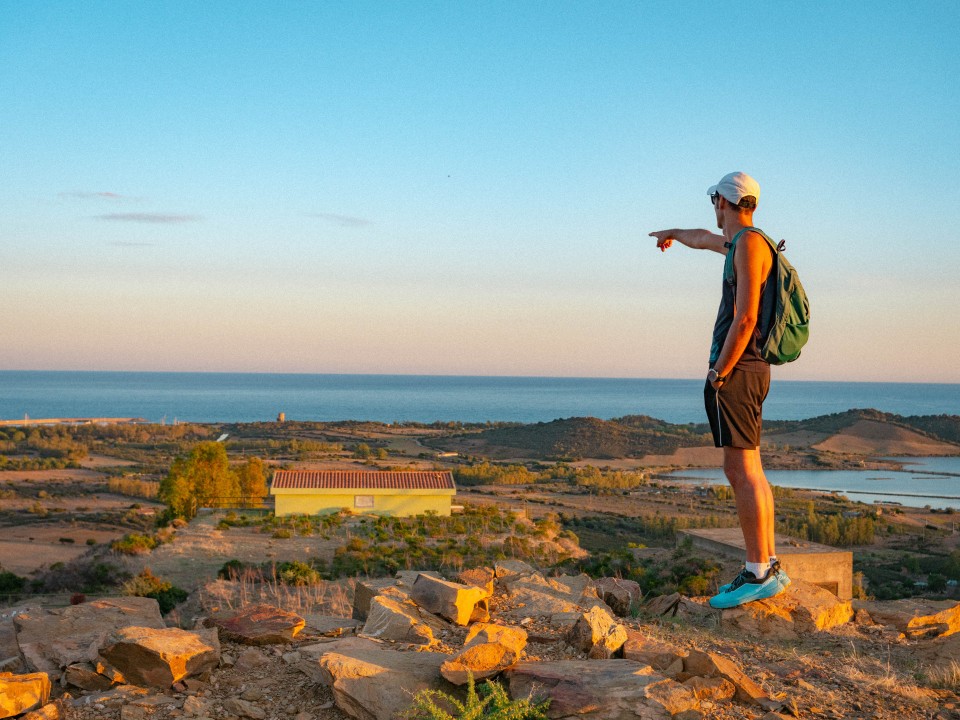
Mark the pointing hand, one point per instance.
(664, 239)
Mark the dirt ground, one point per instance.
(199, 550)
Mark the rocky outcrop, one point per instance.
(477, 577)
(804, 608)
(663, 657)
(369, 680)
(915, 617)
(392, 617)
(534, 595)
(676, 605)
(620, 595)
(258, 625)
(20, 693)
(597, 634)
(52, 639)
(481, 661)
(158, 658)
(711, 665)
(457, 603)
(610, 690)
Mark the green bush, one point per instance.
(134, 544)
(146, 584)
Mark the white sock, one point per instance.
(759, 570)
(773, 560)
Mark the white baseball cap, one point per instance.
(735, 186)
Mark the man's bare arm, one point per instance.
(696, 239)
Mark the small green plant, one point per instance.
(491, 703)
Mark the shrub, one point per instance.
(146, 584)
(134, 544)
(492, 703)
(78, 599)
(232, 569)
(297, 573)
(282, 534)
(10, 584)
(91, 541)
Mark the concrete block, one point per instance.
(820, 565)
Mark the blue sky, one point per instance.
(467, 188)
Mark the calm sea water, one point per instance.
(236, 397)
(918, 485)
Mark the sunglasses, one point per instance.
(714, 198)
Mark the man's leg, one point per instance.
(754, 500)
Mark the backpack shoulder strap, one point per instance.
(729, 272)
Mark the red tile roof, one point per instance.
(362, 480)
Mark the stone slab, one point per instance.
(817, 564)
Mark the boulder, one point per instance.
(711, 688)
(611, 690)
(86, 677)
(50, 711)
(391, 618)
(20, 693)
(330, 625)
(258, 625)
(478, 577)
(481, 660)
(52, 639)
(536, 596)
(803, 609)
(159, 658)
(514, 639)
(663, 657)
(712, 665)
(449, 600)
(620, 595)
(510, 568)
(365, 591)
(370, 681)
(915, 617)
(597, 634)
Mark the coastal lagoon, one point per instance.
(931, 481)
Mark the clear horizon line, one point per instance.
(453, 375)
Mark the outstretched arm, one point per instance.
(696, 239)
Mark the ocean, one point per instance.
(251, 397)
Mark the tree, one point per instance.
(203, 479)
(252, 482)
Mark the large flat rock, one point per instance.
(803, 609)
(369, 680)
(52, 639)
(152, 657)
(915, 617)
(605, 690)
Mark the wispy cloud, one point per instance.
(128, 244)
(155, 218)
(109, 196)
(341, 220)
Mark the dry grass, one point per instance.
(878, 673)
(946, 678)
(254, 587)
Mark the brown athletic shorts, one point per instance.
(735, 411)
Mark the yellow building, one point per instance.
(400, 493)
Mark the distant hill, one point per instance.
(944, 428)
(857, 432)
(571, 438)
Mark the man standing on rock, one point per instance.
(739, 378)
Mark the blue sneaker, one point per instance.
(741, 578)
(737, 581)
(747, 588)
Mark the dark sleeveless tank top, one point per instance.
(750, 360)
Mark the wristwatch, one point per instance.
(714, 376)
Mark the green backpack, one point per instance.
(790, 328)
